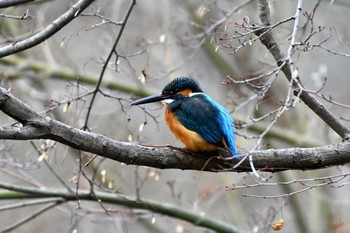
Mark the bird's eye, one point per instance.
(170, 92)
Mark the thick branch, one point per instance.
(267, 39)
(36, 126)
(48, 31)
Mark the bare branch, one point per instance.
(171, 210)
(20, 66)
(271, 44)
(36, 126)
(306, 184)
(31, 216)
(24, 16)
(48, 31)
(111, 52)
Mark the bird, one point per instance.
(199, 122)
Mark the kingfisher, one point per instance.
(194, 117)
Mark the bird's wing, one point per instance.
(210, 120)
(229, 130)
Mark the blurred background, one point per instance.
(163, 40)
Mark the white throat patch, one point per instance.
(195, 93)
(167, 101)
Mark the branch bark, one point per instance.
(36, 126)
(48, 31)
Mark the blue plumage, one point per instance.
(194, 117)
(180, 84)
(200, 113)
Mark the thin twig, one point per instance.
(30, 217)
(106, 62)
(304, 182)
(271, 44)
(51, 168)
(30, 203)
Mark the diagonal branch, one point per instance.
(268, 40)
(36, 126)
(109, 57)
(30, 217)
(9, 3)
(48, 31)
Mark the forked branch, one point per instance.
(268, 40)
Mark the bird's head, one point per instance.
(176, 89)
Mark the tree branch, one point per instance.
(268, 40)
(8, 3)
(21, 192)
(109, 57)
(36, 126)
(30, 217)
(48, 31)
(22, 66)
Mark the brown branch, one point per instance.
(48, 31)
(36, 126)
(268, 40)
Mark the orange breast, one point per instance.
(192, 140)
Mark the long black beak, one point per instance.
(151, 99)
